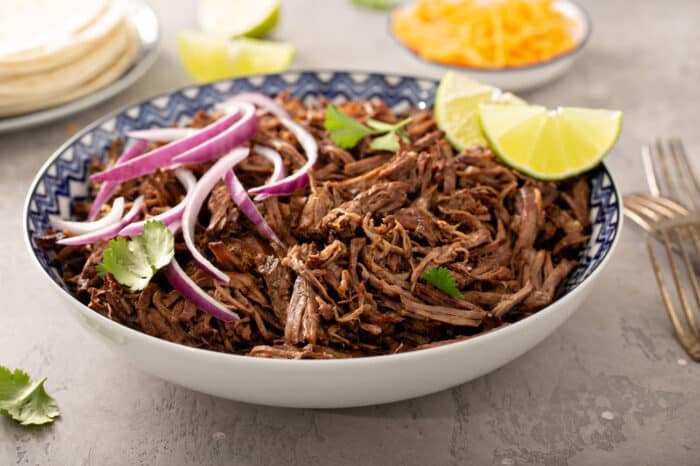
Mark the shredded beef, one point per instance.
(347, 282)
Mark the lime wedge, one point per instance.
(208, 58)
(457, 105)
(550, 145)
(236, 18)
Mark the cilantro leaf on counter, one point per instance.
(442, 279)
(134, 262)
(25, 401)
(346, 132)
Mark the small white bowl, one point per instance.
(531, 76)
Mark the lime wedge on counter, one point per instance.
(237, 18)
(457, 105)
(208, 58)
(550, 144)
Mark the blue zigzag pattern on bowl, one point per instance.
(63, 180)
(605, 217)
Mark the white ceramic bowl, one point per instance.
(329, 383)
(532, 76)
(300, 383)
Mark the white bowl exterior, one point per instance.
(522, 80)
(330, 383)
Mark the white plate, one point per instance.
(145, 21)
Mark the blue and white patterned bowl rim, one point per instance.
(62, 180)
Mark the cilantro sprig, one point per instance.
(346, 132)
(134, 262)
(375, 4)
(25, 401)
(442, 279)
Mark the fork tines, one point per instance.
(679, 235)
(667, 161)
(671, 214)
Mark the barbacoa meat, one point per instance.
(348, 281)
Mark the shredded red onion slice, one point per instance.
(298, 180)
(162, 156)
(235, 135)
(175, 227)
(162, 134)
(279, 171)
(107, 232)
(171, 215)
(258, 99)
(108, 187)
(199, 194)
(80, 228)
(240, 197)
(189, 290)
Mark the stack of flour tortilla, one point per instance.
(52, 51)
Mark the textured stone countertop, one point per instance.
(611, 386)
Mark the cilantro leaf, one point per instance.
(127, 262)
(442, 279)
(159, 243)
(133, 263)
(25, 401)
(380, 125)
(375, 4)
(345, 131)
(383, 126)
(388, 142)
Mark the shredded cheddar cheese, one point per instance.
(484, 34)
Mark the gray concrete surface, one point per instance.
(610, 387)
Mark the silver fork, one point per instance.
(674, 225)
(677, 230)
(686, 191)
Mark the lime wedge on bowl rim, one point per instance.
(457, 106)
(238, 18)
(208, 58)
(550, 144)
